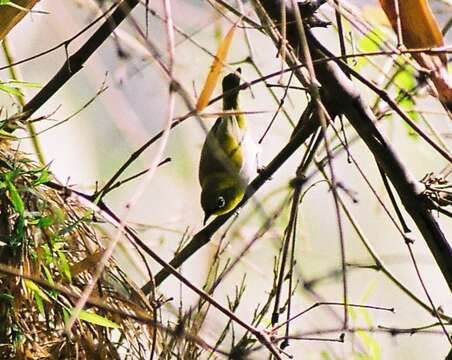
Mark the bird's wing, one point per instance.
(221, 151)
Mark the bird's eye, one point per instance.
(221, 202)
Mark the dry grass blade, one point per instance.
(215, 70)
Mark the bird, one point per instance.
(228, 156)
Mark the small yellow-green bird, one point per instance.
(228, 156)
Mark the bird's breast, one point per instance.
(250, 151)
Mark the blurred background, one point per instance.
(86, 150)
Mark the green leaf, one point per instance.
(17, 335)
(325, 355)
(39, 303)
(6, 135)
(63, 266)
(36, 289)
(15, 198)
(58, 245)
(52, 293)
(405, 78)
(46, 254)
(45, 221)
(96, 319)
(6, 297)
(24, 84)
(19, 232)
(372, 347)
(406, 82)
(10, 90)
(43, 178)
(48, 275)
(66, 315)
(11, 4)
(39, 295)
(370, 42)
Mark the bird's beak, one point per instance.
(206, 217)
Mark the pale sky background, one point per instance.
(92, 145)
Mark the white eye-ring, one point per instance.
(221, 202)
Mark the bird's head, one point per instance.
(220, 194)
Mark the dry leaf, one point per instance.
(10, 16)
(419, 30)
(90, 262)
(215, 70)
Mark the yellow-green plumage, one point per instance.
(228, 157)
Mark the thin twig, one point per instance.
(21, 99)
